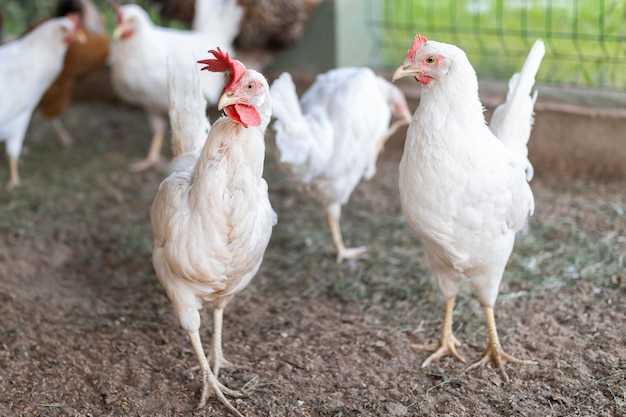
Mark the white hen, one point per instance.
(211, 217)
(331, 139)
(28, 66)
(463, 190)
(139, 55)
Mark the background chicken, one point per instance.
(463, 190)
(27, 67)
(265, 28)
(81, 59)
(139, 54)
(211, 217)
(330, 140)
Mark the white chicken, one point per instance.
(464, 190)
(139, 54)
(331, 139)
(28, 65)
(211, 217)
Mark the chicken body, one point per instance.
(462, 189)
(27, 67)
(139, 56)
(331, 139)
(211, 217)
(81, 59)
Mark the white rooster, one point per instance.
(331, 139)
(464, 190)
(211, 217)
(139, 55)
(28, 65)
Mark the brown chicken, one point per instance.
(82, 58)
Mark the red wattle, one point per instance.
(242, 114)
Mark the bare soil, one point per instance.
(86, 329)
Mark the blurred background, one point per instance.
(582, 74)
(585, 39)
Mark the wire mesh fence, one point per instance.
(585, 40)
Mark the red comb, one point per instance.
(223, 63)
(417, 43)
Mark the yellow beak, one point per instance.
(227, 99)
(401, 72)
(118, 31)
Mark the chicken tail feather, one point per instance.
(285, 103)
(512, 121)
(187, 110)
(291, 126)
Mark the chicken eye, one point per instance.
(431, 59)
(250, 86)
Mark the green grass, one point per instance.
(584, 39)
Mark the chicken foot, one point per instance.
(158, 125)
(494, 352)
(333, 216)
(447, 344)
(210, 384)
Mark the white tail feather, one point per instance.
(304, 150)
(290, 124)
(187, 112)
(512, 121)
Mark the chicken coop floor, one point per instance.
(86, 329)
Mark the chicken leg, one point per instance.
(15, 175)
(63, 136)
(333, 216)
(494, 352)
(158, 125)
(210, 384)
(217, 356)
(446, 346)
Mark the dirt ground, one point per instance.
(86, 329)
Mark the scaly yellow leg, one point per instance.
(447, 344)
(494, 352)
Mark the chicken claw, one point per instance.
(494, 352)
(447, 344)
(350, 253)
(445, 347)
(210, 384)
